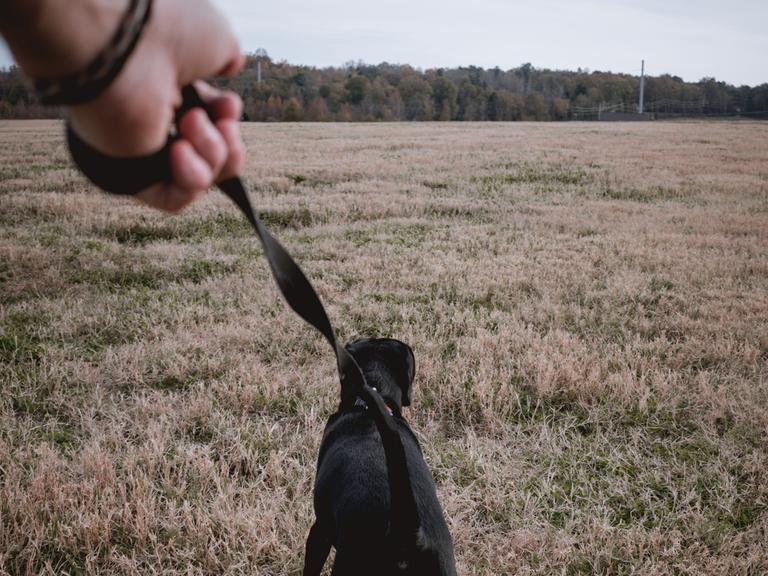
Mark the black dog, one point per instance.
(375, 498)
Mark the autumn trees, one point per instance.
(386, 92)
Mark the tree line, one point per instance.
(359, 92)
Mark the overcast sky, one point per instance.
(688, 38)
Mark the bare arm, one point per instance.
(53, 38)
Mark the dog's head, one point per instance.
(388, 365)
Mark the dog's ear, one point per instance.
(410, 368)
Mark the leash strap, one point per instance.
(128, 176)
(131, 175)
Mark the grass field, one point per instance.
(588, 304)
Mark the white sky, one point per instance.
(688, 38)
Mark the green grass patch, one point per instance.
(642, 195)
(298, 218)
(59, 560)
(198, 270)
(142, 233)
(435, 185)
(151, 277)
(541, 174)
(20, 336)
(310, 181)
(359, 238)
(410, 235)
(53, 424)
(146, 230)
(469, 214)
(223, 225)
(610, 187)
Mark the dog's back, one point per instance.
(352, 493)
(353, 503)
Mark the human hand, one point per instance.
(184, 40)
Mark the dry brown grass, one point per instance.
(588, 304)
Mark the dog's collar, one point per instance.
(360, 403)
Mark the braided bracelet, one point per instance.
(87, 85)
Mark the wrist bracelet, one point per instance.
(87, 85)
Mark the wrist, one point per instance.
(50, 38)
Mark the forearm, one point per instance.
(51, 38)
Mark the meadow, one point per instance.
(588, 305)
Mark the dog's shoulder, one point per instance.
(359, 424)
(344, 425)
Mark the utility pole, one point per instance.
(260, 54)
(642, 87)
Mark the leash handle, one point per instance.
(123, 176)
(128, 176)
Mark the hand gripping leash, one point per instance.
(130, 175)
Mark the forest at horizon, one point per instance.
(359, 92)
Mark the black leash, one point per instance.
(131, 175)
